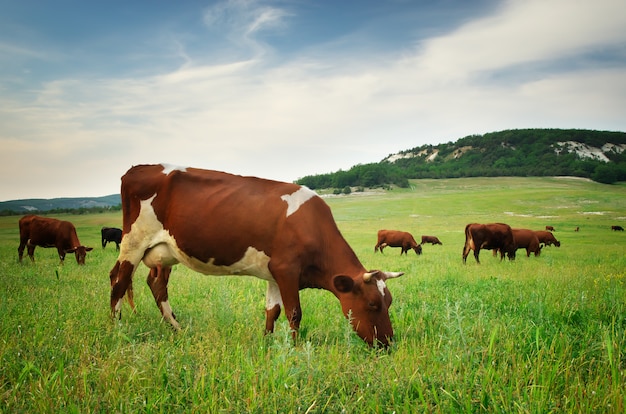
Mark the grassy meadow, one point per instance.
(539, 334)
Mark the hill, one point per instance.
(598, 155)
(73, 205)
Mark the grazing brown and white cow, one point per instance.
(430, 239)
(222, 224)
(497, 236)
(550, 228)
(48, 232)
(396, 238)
(527, 239)
(547, 238)
(617, 228)
(111, 234)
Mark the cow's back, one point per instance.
(218, 216)
(42, 231)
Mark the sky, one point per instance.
(288, 88)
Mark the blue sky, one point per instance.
(284, 89)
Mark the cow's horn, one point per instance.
(367, 276)
(391, 275)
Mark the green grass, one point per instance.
(539, 334)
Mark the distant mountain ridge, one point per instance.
(40, 205)
(598, 155)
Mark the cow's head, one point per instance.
(418, 249)
(365, 301)
(80, 252)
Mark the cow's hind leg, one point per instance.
(476, 253)
(466, 250)
(31, 251)
(157, 280)
(121, 284)
(20, 250)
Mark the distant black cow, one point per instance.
(617, 228)
(111, 234)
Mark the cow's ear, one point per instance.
(343, 284)
(88, 249)
(70, 250)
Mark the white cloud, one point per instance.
(285, 119)
(524, 32)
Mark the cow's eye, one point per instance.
(373, 305)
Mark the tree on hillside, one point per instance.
(523, 152)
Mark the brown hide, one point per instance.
(430, 239)
(527, 239)
(48, 232)
(550, 228)
(396, 238)
(217, 218)
(488, 236)
(547, 238)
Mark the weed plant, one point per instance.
(539, 334)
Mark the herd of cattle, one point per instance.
(296, 245)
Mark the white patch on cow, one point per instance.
(168, 168)
(297, 199)
(253, 263)
(273, 297)
(145, 232)
(381, 287)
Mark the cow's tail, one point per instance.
(469, 243)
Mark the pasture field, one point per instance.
(539, 334)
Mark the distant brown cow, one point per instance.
(527, 239)
(430, 239)
(489, 236)
(547, 238)
(550, 228)
(396, 238)
(49, 232)
(617, 228)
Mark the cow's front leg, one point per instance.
(61, 256)
(273, 302)
(157, 280)
(286, 278)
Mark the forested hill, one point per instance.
(78, 205)
(598, 155)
